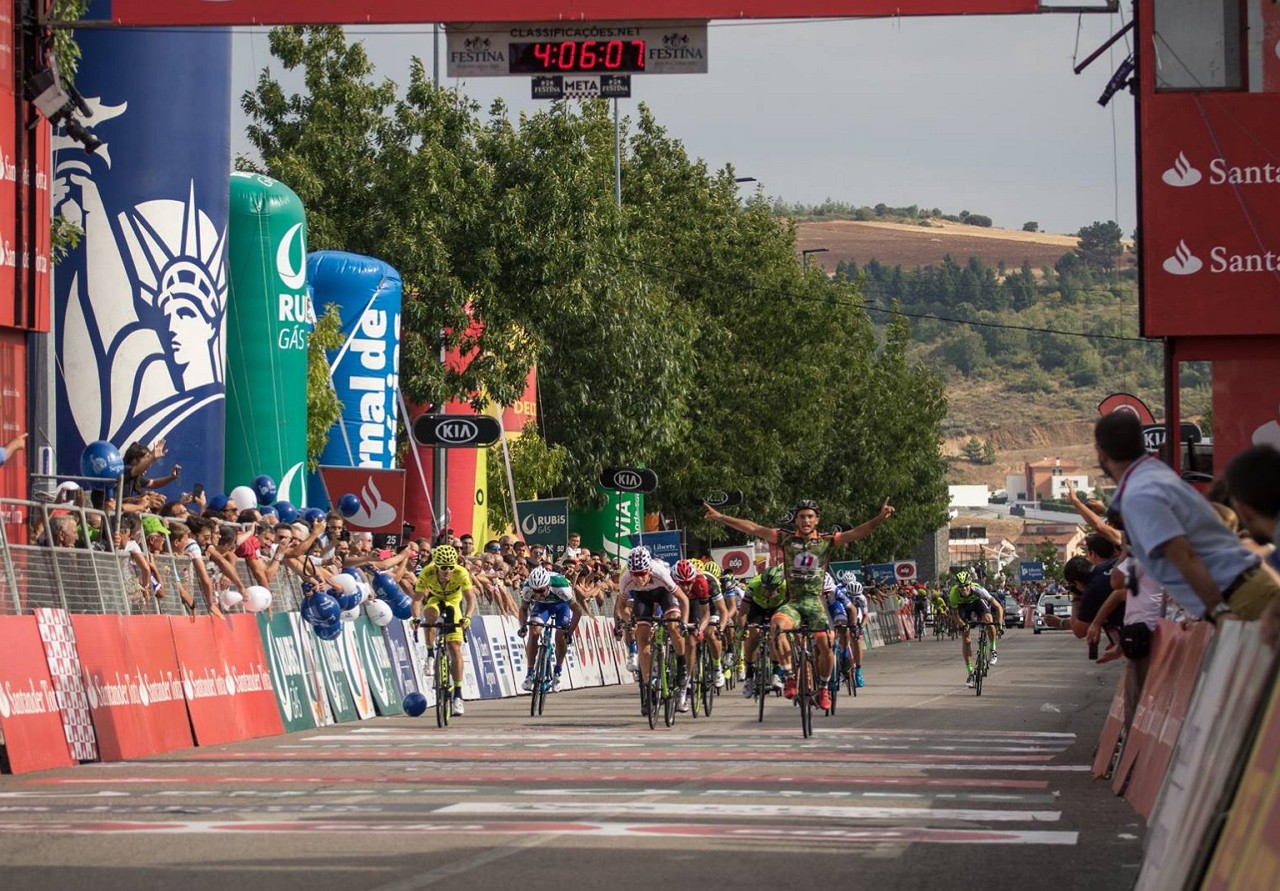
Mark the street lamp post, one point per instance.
(804, 256)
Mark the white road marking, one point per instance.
(674, 810)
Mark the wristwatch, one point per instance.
(1221, 609)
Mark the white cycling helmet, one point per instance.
(853, 588)
(640, 560)
(828, 584)
(539, 578)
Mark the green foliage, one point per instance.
(977, 219)
(1101, 244)
(988, 452)
(973, 450)
(64, 235)
(1031, 226)
(323, 406)
(536, 468)
(1047, 553)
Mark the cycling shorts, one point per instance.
(838, 613)
(551, 613)
(810, 611)
(652, 604)
(450, 610)
(759, 615)
(973, 612)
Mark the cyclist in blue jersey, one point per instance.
(547, 597)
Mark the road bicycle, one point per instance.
(804, 665)
(703, 672)
(982, 660)
(543, 668)
(919, 625)
(763, 671)
(440, 660)
(660, 690)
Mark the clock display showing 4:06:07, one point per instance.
(577, 57)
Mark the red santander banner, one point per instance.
(29, 715)
(226, 679)
(380, 492)
(302, 12)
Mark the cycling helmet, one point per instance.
(828, 584)
(963, 578)
(539, 578)
(772, 578)
(711, 568)
(806, 504)
(853, 589)
(685, 572)
(639, 560)
(444, 557)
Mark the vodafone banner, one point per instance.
(225, 678)
(381, 495)
(29, 715)
(133, 685)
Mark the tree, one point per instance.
(973, 450)
(1100, 244)
(1047, 553)
(988, 452)
(323, 406)
(1031, 226)
(536, 468)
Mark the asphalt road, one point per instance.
(916, 784)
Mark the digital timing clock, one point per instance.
(577, 57)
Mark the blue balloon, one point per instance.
(268, 510)
(264, 487)
(402, 606)
(348, 505)
(101, 460)
(349, 601)
(386, 586)
(311, 514)
(287, 512)
(216, 503)
(414, 704)
(321, 608)
(332, 631)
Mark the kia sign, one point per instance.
(722, 499)
(629, 479)
(544, 522)
(456, 431)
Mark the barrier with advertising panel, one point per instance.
(495, 631)
(59, 640)
(313, 671)
(31, 722)
(133, 683)
(288, 677)
(377, 667)
(400, 655)
(337, 687)
(225, 678)
(483, 661)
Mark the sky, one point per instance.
(979, 113)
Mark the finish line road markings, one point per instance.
(663, 809)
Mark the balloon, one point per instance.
(216, 504)
(348, 505)
(230, 598)
(268, 510)
(379, 613)
(414, 704)
(332, 631)
(257, 598)
(345, 583)
(311, 514)
(385, 585)
(349, 602)
(321, 608)
(366, 592)
(264, 489)
(101, 460)
(402, 606)
(350, 615)
(242, 497)
(287, 512)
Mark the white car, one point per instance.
(1053, 611)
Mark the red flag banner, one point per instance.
(380, 493)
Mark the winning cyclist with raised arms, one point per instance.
(805, 555)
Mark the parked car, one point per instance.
(1053, 611)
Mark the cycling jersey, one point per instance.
(560, 591)
(762, 597)
(805, 564)
(839, 604)
(452, 589)
(976, 593)
(654, 596)
(704, 589)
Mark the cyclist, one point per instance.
(857, 596)
(443, 586)
(547, 597)
(971, 602)
(765, 593)
(734, 592)
(836, 597)
(703, 593)
(920, 602)
(652, 593)
(941, 612)
(805, 554)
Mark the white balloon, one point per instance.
(230, 598)
(379, 613)
(345, 583)
(242, 497)
(350, 615)
(257, 598)
(366, 591)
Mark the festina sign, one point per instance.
(457, 431)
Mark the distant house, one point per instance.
(1067, 538)
(1046, 479)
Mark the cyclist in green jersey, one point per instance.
(766, 593)
(970, 602)
(805, 555)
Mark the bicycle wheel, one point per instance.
(444, 693)
(544, 673)
(672, 689)
(708, 680)
(833, 682)
(535, 672)
(979, 667)
(696, 680)
(804, 693)
(649, 701)
(764, 680)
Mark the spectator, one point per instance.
(1173, 532)
(62, 532)
(143, 579)
(1253, 484)
(1095, 591)
(1143, 602)
(184, 540)
(1092, 511)
(466, 544)
(17, 444)
(573, 548)
(138, 460)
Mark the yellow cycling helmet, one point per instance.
(711, 568)
(445, 557)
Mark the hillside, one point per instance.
(912, 245)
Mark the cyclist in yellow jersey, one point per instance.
(442, 588)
